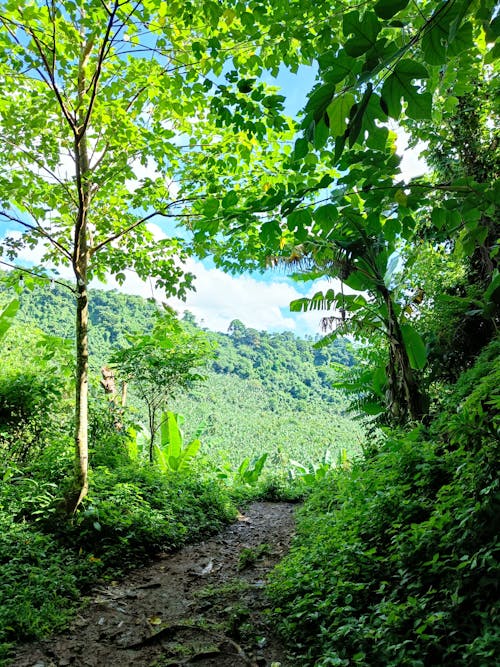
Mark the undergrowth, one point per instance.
(396, 560)
(49, 558)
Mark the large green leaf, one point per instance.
(326, 215)
(340, 66)
(7, 316)
(338, 113)
(301, 148)
(399, 85)
(364, 29)
(447, 35)
(357, 120)
(415, 346)
(171, 436)
(188, 453)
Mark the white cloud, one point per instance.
(221, 298)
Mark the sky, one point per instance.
(260, 301)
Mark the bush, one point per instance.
(39, 584)
(134, 511)
(27, 402)
(48, 558)
(396, 560)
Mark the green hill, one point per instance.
(264, 392)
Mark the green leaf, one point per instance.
(447, 36)
(365, 29)
(372, 408)
(399, 85)
(340, 67)
(171, 436)
(189, 452)
(299, 305)
(338, 113)
(230, 200)
(301, 148)
(357, 121)
(321, 133)
(326, 215)
(7, 316)
(270, 233)
(386, 9)
(298, 220)
(439, 217)
(415, 346)
(401, 198)
(210, 206)
(318, 101)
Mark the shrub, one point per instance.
(396, 560)
(134, 511)
(27, 400)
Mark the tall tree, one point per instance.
(379, 63)
(103, 105)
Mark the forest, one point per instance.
(142, 137)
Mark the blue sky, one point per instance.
(259, 300)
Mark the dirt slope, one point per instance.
(204, 605)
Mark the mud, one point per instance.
(204, 605)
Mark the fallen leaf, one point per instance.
(155, 620)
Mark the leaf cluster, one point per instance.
(396, 560)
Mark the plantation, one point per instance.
(148, 462)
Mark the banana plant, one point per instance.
(249, 472)
(7, 316)
(357, 253)
(171, 455)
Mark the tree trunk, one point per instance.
(82, 391)
(80, 266)
(404, 396)
(152, 431)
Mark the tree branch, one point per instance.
(37, 275)
(51, 74)
(128, 229)
(39, 230)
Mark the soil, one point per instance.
(204, 605)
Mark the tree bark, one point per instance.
(404, 396)
(82, 382)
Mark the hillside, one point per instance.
(264, 392)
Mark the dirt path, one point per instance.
(204, 605)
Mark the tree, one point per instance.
(161, 363)
(365, 260)
(103, 105)
(390, 62)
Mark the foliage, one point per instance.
(396, 560)
(264, 391)
(249, 472)
(7, 316)
(39, 582)
(34, 387)
(162, 363)
(171, 455)
(48, 560)
(86, 112)
(340, 206)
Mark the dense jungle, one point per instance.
(172, 494)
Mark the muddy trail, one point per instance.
(204, 605)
